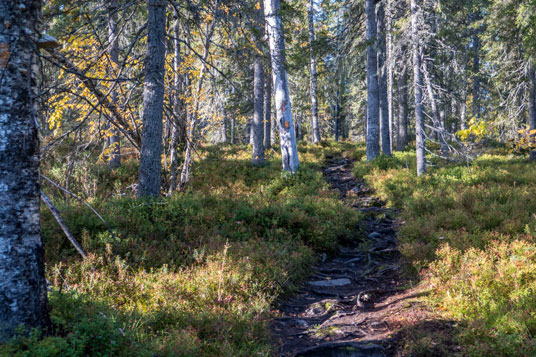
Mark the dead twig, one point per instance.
(88, 206)
(62, 224)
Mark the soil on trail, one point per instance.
(355, 304)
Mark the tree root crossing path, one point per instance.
(353, 304)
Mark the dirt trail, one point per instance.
(353, 304)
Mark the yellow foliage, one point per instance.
(477, 130)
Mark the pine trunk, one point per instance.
(23, 294)
(287, 137)
(153, 102)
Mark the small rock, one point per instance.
(374, 235)
(302, 323)
(378, 325)
(329, 283)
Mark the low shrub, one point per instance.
(468, 233)
(193, 274)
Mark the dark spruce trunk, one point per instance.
(23, 294)
(257, 129)
(153, 100)
(402, 140)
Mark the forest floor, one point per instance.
(360, 303)
(447, 260)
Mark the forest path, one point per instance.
(354, 304)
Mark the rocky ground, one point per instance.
(357, 303)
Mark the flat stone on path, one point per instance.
(332, 282)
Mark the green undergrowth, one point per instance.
(193, 274)
(469, 233)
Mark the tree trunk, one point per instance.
(177, 124)
(257, 129)
(289, 150)
(365, 123)
(532, 108)
(115, 144)
(192, 121)
(402, 140)
(224, 125)
(463, 112)
(373, 123)
(390, 75)
(314, 99)
(249, 132)
(438, 127)
(418, 84)
(23, 294)
(153, 101)
(337, 124)
(382, 69)
(476, 75)
(267, 111)
(232, 130)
